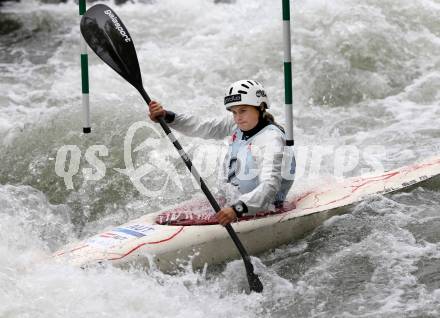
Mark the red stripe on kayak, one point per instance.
(140, 245)
(354, 189)
(374, 179)
(423, 165)
(75, 249)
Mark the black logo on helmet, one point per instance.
(260, 93)
(232, 98)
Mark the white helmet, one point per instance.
(245, 92)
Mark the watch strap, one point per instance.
(239, 206)
(169, 116)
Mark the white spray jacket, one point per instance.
(253, 166)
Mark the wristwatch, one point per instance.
(239, 208)
(169, 116)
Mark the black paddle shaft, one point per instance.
(108, 37)
(254, 282)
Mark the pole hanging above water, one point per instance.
(288, 100)
(84, 75)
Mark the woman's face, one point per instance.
(245, 116)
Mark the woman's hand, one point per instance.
(226, 216)
(156, 111)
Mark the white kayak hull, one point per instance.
(143, 241)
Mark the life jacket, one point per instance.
(241, 167)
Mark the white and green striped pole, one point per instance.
(287, 73)
(84, 75)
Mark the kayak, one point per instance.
(189, 233)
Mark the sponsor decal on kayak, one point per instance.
(118, 26)
(106, 240)
(136, 230)
(120, 234)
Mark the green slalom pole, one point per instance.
(85, 75)
(287, 73)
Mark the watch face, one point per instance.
(239, 208)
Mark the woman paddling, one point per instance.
(253, 165)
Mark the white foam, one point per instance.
(363, 74)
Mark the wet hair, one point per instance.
(268, 117)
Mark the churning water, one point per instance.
(366, 80)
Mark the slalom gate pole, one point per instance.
(84, 75)
(287, 73)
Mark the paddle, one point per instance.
(105, 33)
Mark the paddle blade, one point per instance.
(255, 283)
(108, 37)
